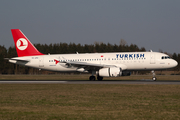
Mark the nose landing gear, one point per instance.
(153, 73)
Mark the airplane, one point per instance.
(113, 64)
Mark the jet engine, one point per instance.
(110, 72)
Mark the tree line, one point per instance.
(64, 48)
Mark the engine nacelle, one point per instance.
(110, 72)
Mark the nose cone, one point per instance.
(174, 63)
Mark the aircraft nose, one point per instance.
(174, 63)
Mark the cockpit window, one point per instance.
(165, 57)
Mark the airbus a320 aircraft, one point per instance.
(101, 64)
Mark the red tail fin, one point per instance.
(23, 46)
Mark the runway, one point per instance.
(160, 82)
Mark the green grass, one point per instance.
(84, 77)
(67, 101)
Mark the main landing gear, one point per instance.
(93, 78)
(99, 78)
(154, 78)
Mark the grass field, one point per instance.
(84, 77)
(67, 101)
(85, 101)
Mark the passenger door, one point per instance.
(152, 59)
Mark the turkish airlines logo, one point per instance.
(22, 44)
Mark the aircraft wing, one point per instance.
(87, 66)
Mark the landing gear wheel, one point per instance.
(154, 78)
(99, 78)
(92, 78)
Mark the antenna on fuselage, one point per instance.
(150, 51)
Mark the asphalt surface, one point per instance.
(167, 82)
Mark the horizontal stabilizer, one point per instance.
(17, 59)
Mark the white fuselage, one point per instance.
(123, 60)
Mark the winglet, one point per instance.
(23, 46)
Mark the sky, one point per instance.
(153, 24)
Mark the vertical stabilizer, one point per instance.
(23, 46)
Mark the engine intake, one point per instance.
(110, 72)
